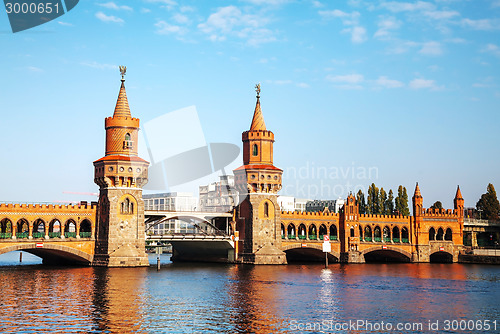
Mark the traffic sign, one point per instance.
(326, 238)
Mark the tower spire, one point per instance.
(459, 193)
(417, 191)
(122, 109)
(258, 123)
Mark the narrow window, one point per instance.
(266, 209)
(255, 150)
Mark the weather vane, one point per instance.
(123, 71)
(257, 89)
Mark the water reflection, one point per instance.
(208, 298)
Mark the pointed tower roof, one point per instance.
(417, 191)
(257, 120)
(122, 109)
(459, 193)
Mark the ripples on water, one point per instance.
(218, 298)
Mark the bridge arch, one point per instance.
(51, 253)
(311, 253)
(441, 257)
(389, 254)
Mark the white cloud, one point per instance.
(385, 82)
(441, 14)
(396, 6)
(385, 27)
(302, 85)
(493, 49)
(358, 35)
(402, 47)
(431, 49)
(164, 28)
(347, 79)
(482, 24)
(34, 69)
(99, 66)
(105, 18)
(186, 9)
(347, 18)
(423, 83)
(180, 18)
(231, 21)
(66, 24)
(112, 5)
(145, 10)
(268, 2)
(317, 4)
(168, 4)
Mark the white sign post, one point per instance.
(327, 248)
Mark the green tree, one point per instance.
(360, 198)
(437, 205)
(489, 204)
(389, 204)
(402, 202)
(372, 203)
(381, 201)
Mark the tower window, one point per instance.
(266, 209)
(127, 207)
(127, 143)
(255, 150)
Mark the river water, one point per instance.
(217, 298)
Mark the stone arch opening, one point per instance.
(70, 229)
(54, 228)
(322, 231)
(351, 231)
(5, 228)
(52, 254)
(386, 255)
(85, 229)
(360, 233)
(386, 234)
(302, 232)
(448, 235)
(395, 234)
(333, 232)
(38, 228)
(368, 233)
(377, 234)
(441, 257)
(291, 231)
(404, 235)
(312, 232)
(309, 254)
(23, 229)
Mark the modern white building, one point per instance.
(289, 203)
(219, 196)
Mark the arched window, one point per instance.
(312, 232)
(432, 234)
(266, 209)
(448, 235)
(440, 234)
(127, 143)
(352, 231)
(127, 207)
(333, 232)
(377, 235)
(255, 150)
(291, 231)
(395, 234)
(282, 231)
(387, 234)
(404, 235)
(368, 233)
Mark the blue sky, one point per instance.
(410, 90)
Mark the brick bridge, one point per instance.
(56, 233)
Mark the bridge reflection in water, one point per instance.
(218, 298)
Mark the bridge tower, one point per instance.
(458, 204)
(258, 182)
(121, 174)
(349, 232)
(416, 227)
